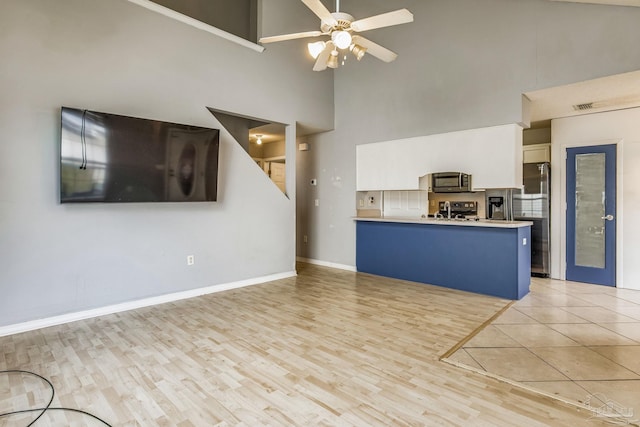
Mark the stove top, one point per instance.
(459, 208)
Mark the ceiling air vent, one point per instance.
(582, 107)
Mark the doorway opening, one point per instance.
(264, 141)
(591, 214)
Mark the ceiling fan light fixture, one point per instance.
(358, 51)
(316, 48)
(332, 62)
(342, 39)
(342, 29)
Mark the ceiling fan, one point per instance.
(339, 26)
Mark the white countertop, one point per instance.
(458, 222)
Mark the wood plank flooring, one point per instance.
(326, 348)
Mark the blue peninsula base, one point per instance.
(483, 259)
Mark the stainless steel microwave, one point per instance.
(450, 182)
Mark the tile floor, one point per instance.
(575, 341)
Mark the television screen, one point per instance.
(112, 158)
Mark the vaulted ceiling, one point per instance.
(598, 95)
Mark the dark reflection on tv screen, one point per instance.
(112, 158)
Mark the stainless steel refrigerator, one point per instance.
(532, 204)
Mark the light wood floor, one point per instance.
(328, 348)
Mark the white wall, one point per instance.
(619, 127)
(462, 64)
(115, 56)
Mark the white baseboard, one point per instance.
(327, 264)
(132, 305)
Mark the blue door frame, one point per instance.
(579, 273)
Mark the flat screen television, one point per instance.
(111, 158)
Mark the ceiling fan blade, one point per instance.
(283, 37)
(321, 11)
(323, 58)
(382, 53)
(400, 16)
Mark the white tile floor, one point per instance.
(576, 341)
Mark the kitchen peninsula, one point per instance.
(487, 257)
(394, 239)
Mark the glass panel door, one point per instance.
(589, 210)
(591, 204)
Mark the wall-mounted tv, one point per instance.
(111, 158)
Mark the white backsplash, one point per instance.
(405, 203)
(530, 205)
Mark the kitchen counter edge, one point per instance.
(463, 223)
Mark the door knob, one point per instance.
(608, 217)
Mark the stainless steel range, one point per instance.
(458, 209)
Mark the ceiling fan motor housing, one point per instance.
(344, 22)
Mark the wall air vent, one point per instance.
(582, 107)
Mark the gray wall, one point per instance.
(462, 64)
(115, 56)
(234, 16)
(273, 149)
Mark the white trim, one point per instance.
(141, 303)
(619, 143)
(619, 213)
(271, 159)
(148, 4)
(327, 264)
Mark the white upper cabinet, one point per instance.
(536, 153)
(493, 156)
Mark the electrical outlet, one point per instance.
(191, 260)
(317, 202)
(305, 239)
(371, 200)
(361, 203)
(524, 241)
